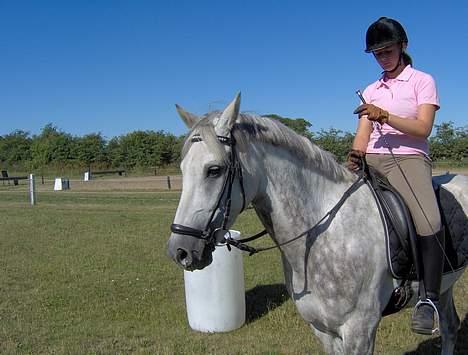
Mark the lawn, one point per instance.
(87, 273)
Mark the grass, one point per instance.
(87, 273)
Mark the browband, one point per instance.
(222, 139)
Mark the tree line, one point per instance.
(20, 150)
(53, 147)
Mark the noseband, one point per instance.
(213, 235)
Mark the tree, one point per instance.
(170, 148)
(138, 149)
(449, 143)
(177, 148)
(15, 148)
(52, 146)
(335, 141)
(144, 149)
(91, 148)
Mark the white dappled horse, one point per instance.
(337, 274)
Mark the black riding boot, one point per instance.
(432, 257)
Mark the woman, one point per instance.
(392, 133)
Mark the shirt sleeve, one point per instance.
(426, 92)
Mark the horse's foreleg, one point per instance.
(332, 343)
(356, 336)
(449, 322)
(359, 335)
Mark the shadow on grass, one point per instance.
(432, 346)
(262, 299)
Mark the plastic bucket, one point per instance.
(215, 296)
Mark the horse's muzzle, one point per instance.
(189, 253)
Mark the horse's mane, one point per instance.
(250, 127)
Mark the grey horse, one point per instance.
(337, 274)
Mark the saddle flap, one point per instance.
(399, 228)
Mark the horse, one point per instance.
(336, 273)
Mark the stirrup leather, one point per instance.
(436, 327)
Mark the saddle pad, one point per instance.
(456, 229)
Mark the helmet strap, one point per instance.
(398, 64)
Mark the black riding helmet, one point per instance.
(384, 32)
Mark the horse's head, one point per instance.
(213, 193)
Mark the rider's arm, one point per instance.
(362, 135)
(420, 127)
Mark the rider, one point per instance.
(392, 135)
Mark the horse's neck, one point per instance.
(292, 197)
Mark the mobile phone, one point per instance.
(358, 92)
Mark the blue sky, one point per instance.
(119, 66)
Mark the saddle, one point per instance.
(400, 238)
(400, 234)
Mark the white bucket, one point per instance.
(215, 296)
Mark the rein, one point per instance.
(240, 243)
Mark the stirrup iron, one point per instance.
(427, 301)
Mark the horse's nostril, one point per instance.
(181, 255)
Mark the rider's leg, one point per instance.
(415, 186)
(431, 251)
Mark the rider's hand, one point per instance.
(354, 160)
(373, 113)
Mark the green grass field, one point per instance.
(87, 273)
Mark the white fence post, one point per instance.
(32, 189)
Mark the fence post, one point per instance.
(32, 189)
(169, 182)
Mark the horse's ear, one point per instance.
(189, 118)
(224, 123)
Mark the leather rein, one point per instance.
(221, 235)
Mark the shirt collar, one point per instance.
(405, 75)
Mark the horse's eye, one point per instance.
(214, 171)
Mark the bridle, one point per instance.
(211, 235)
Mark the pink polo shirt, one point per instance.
(401, 96)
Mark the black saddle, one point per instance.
(400, 234)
